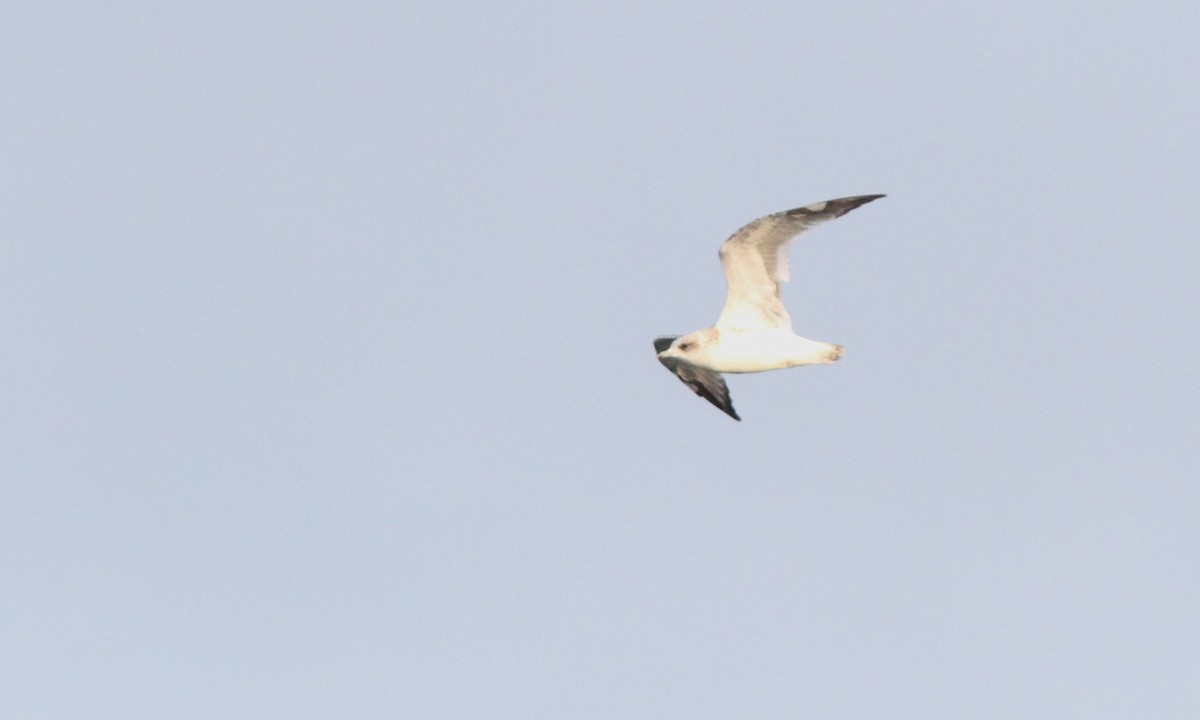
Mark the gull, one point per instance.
(754, 331)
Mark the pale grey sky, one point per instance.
(329, 387)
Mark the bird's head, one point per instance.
(686, 347)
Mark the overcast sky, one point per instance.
(329, 392)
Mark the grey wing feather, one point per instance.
(705, 383)
(755, 262)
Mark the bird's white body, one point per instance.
(758, 350)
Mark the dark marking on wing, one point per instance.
(663, 343)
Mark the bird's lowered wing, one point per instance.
(705, 383)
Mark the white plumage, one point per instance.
(754, 331)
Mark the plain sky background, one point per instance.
(328, 387)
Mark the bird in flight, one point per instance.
(754, 332)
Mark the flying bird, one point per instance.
(754, 330)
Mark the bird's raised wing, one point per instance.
(755, 261)
(705, 383)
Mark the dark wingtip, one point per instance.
(859, 201)
(841, 206)
(835, 208)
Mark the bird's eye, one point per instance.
(684, 347)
